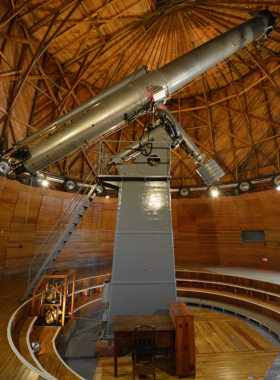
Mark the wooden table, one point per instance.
(123, 330)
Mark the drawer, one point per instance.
(125, 340)
(164, 339)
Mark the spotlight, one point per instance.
(185, 192)
(245, 186)
(100, 190)
(276, 181)
(107, 196)
(213, 191)
(45, 183)
(69, 185)
(4, 167)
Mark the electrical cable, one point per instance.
(26, 217)
(143, 150)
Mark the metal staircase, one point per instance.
(77, 213)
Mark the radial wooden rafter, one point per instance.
(117, 36)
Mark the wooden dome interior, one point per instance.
(231, 112)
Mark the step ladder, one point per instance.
(77, 213)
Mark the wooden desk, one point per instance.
(123, 330)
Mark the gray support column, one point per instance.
(143, 277)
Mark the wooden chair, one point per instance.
(144, 346)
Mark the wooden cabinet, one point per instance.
(183, 321)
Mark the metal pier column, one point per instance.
(143, 277)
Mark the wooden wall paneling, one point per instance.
(185, 231)
(90, 247)
(107, 246)
(8, 201)
(40, 237)
(93, 217)
(227, 215)
(19, 251)
(109, 217)
(228, 235)
(3, 250)
(270, 210)
(208, 247)
(66, 203)
(19, 217)
(250, 215)
(50, 212)
(69, 256)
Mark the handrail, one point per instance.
(62, 224)
(67, 208)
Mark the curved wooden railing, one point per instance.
(87, 301)
(247, 296)
(260, 299)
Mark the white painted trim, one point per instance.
(89, 278)
(16, 352)
(58, 356)
(227, 296)
(29, 346)
(85, 289)
(98, 299)
(232, 309)
(263, 291)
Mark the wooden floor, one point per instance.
(226, 349)
(47, 356)
(11, 291)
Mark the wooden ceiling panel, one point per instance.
(107, 40)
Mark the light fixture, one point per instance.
(36, 347)
(45, 183)
(4, 167)
(70, 185)
(213, 191)
(210, 172)
(245, 186)
(185, 192)
(107, 196)
(100, 189)
(276, 181)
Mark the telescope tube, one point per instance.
(112, 112)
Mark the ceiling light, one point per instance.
(245, 186)
(185, 192)
(213, 191)
(276, 181)
(70, 185)
(4, 167)
(107, 196)
(100, 189)
(45, 183)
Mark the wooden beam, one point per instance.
(20, 40)
(221, 130)
(264, 69)
(60, 10)
(270, 122)
(12, 13)
(30, 77)
(208, 115)
(42, 47)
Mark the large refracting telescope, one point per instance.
(130, 98)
